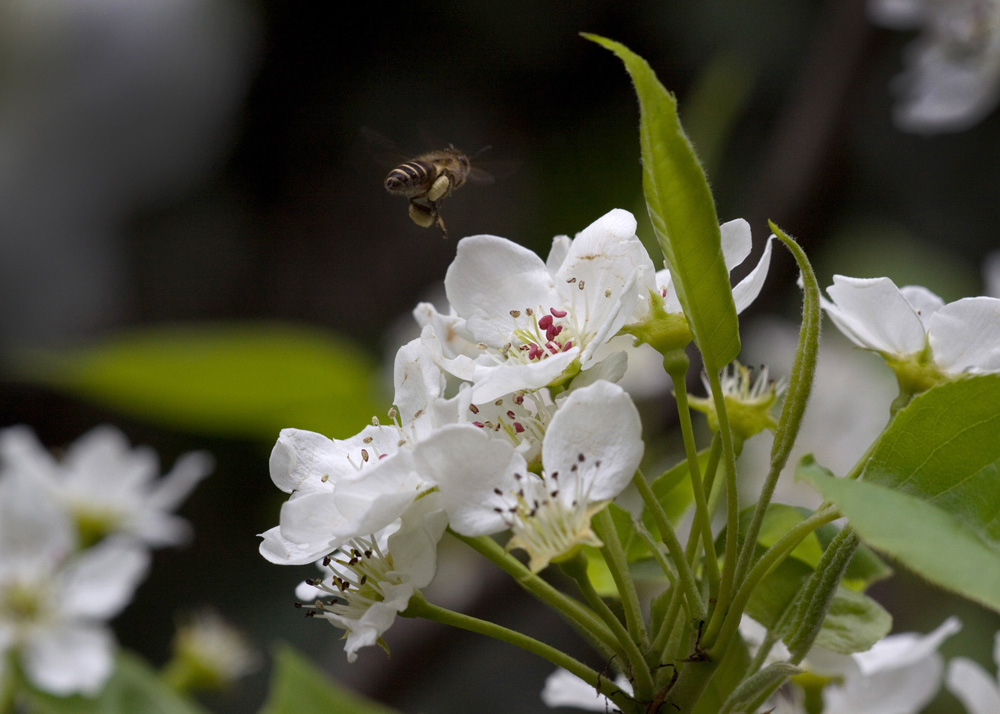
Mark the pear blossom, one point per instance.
(748, 398)
(922, 339)
(534, 323)
(341, 488)
(209, 653)
(590, 452)
(106, 485)
(977, 690)
(564, 689)
(899, 674)
(55, 601)
(371, 578)
(736, 246)
(952, 76)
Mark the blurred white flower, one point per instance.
(977, 690)
(54, 601)
(372, 578)
(590, 452)
(952, 77)
(106, 485)
(563, 689)
(921, 338)
(899, 674)
(209, 653)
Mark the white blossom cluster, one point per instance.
(507, 417)
(75, 535)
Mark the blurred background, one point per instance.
(202, 162)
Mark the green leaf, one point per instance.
(853, 623)
(729, 674)
(133, 688)
(928, 539)
(683, 214)
(243, 380)
(298, 686)
(944, 448)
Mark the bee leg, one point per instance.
(440, 224)
(440, 188)
(422, 215)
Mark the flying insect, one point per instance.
(430, 178)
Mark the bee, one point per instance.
(430, 178)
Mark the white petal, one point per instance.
(749, 288)
(601, 424)
(736, 242)
(69, 659)
(175, 486)
(965, 336)
(991, 274)
(873, 314)
(491, 276)
(558, 253)
(895, 691)
(414, 545)
(976, 690)
(506, 379)
(281, 551)
(417, 379)
(468, 465)
(904, 649)
(101, 581)
(563, 689)
(33, 527)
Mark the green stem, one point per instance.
(419, 607)
(732, 504)
(670, 540)
(577, 569)
(721, 631)
(676, 367)
(588, 624)
(614, 556)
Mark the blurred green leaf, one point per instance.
(133, 688)
(853, 623)
(248, 379)
(683, 214)
(299, 687)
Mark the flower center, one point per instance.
(359, 570)
(547, 521)
(537, 338)
(521, 417)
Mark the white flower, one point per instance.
(106, 485)
(952, 78)
(736, 246)
(342, 488)
(211, 652)
(538, 323)
(373, 577)
(563, 689)
(899, 674)
(590, 452)
(54, 603)
(978, 691)
(921, 338)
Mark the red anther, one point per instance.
(557, 313)
(478, 423)
(553, 332)
(510, 414)
(545, 322)
(567, 345)
(518, 428)
(382, 456)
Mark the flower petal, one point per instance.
(468, 465)
(69, 659)
(736, 242)
(872, 313)
(977, 690)
(596, 436)
(965, 336)
(100, 581)
(749, 288)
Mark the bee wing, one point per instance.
(386, 152)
